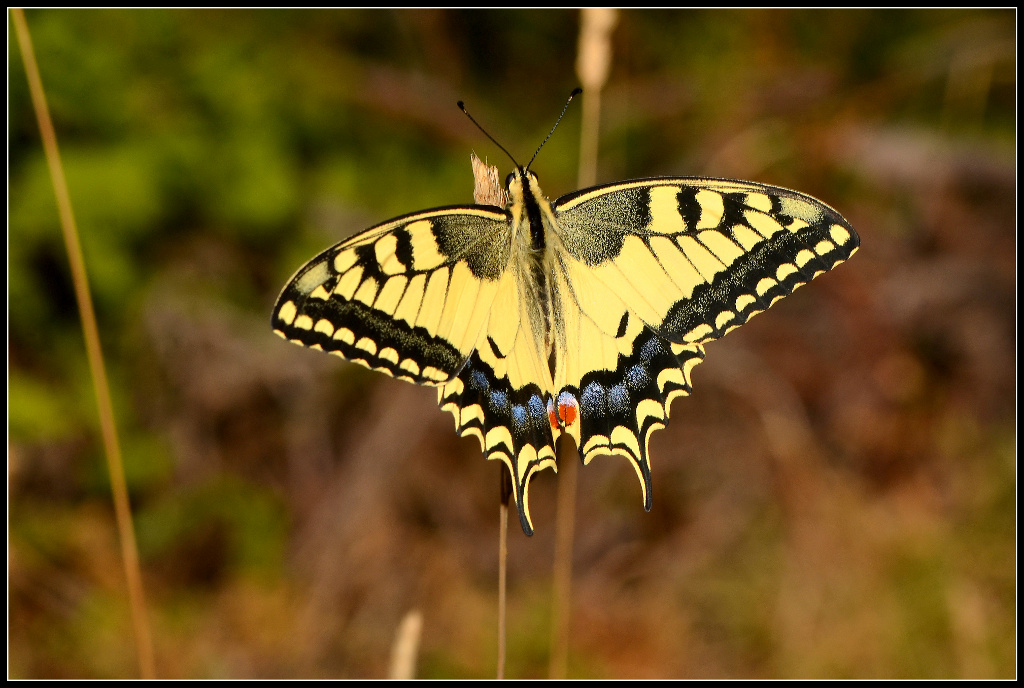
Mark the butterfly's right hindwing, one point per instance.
(409, 297)
(432, 298)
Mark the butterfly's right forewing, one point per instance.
(436, 299)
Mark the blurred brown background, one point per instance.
(837, 498)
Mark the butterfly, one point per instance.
(583, 316)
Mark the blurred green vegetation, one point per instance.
(209, 153)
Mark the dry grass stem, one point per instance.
(487, 188)
(406, 647)
(565, 529)
(122, 508)
(502, 583)
(593, 62)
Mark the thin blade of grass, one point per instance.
(506, 493)
(115, 467)
(593, 62)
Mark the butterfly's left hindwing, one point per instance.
(617, 376)
(408, 298)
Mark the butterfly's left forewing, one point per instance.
(699, 257)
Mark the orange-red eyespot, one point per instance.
(568, 409)
(552, 416)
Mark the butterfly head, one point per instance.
(520, 184)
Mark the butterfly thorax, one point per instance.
(530, 210)
(534, 238)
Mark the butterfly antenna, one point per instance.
(462, 107)
(575, 92)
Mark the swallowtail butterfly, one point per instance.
(583, 316)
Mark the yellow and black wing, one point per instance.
(502, 395)
(408, 298)
(432, 298)
(649, 271)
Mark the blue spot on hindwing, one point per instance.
(478, 381)
(538, 412)
(592, 400)
(498, 402)
(520, 419)
(618, 400)
(637, 378)
(651, 350)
